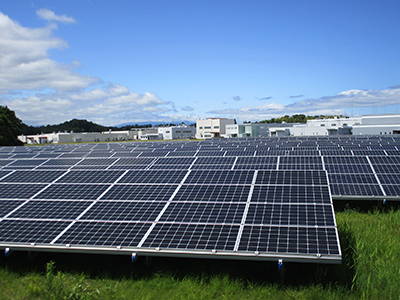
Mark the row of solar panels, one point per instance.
(200, 153)
(235, 214)
(374, 177)
(289, 143)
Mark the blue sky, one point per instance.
(165, 61)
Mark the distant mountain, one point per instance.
(73, 125)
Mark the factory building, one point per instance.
(212, 127)
(246, 130)
(177, 132)
(378, 124)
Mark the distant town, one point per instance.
(385, 124)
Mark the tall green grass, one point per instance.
(374, 241)
(370, 270)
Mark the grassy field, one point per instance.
(370, 270)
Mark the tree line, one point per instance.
(298, 118)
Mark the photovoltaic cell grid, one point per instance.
(253, 198)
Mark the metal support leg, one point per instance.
(281, 269)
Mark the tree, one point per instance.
(9, 127)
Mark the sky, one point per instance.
(129, 61)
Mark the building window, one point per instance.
(334, 124)
(216, 127)
(207, 127)
(322, 125)
(167, 131)
(201, 127)
(178, 131)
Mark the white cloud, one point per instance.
(24, 64)
(187, 108)
(110, 104)
(50, 16)
(329, 105)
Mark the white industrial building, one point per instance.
(366, 125)
(212, 127)
(335, 126)
(378, 124)
(148, 133)
(246, 130)
(177, 132)
(76, 137)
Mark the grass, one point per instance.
(370, 270)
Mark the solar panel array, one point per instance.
(264, 198)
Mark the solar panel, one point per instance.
(216, 193)
(192, 237)
(291, 194)
(140, 192)
(153, 176)
(27, 162)
(292, 177)
(169, 167)
(96, 162)
(33, 176)
(72, 191)
(345, 169)
(220, 177)
(19, 191)
(295, 240)
(356, 189)
(5, 162)
(7, 206)
(174, 161)
(68, 162)
(133, 161)
(203, 212)
(4, 173)
(210, 167)
(353, 179)
(138, 211)
(90, 177)
(116, 234)
(50, 210)
(30, 232)
(215, 161)
(290, 214)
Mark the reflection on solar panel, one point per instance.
(252, 198)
